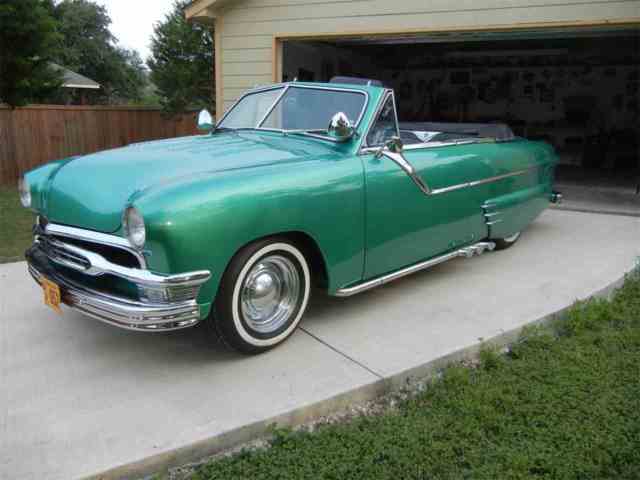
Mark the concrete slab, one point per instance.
(561, 257)
(596, 198)
(78, 397)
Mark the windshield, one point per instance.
(249, 111)
(294, 108)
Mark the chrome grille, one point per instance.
(112, 253)
(113, 248)
(55, 251)
(97, 259)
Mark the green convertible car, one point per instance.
(298, 185)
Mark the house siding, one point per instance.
(248, 27)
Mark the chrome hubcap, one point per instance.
(270, 293)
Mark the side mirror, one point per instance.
(394, 145)
(340, 128)
(205, 121)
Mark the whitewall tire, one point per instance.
(504, 243)
(262, 297)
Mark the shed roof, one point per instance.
(75, 80)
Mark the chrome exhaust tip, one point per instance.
(476, 249)
(556, 197)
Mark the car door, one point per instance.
(405, 222)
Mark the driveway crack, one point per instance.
(351, 359)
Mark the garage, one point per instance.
(577, 90)
(564, 72)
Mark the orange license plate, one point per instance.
(52, 296)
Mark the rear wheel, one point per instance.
(504, 243)
(262, 296)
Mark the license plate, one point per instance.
(52, 296)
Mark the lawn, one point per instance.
(15, 226)
(561, 404)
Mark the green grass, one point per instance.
(562, 404)
(16, 223)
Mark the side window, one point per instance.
(385, 125)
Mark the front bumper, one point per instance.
(122, 312)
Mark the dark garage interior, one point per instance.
(579, 91)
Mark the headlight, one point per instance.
(134, 229)
(25, 193)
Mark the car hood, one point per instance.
(92, 191)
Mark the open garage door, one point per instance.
(577, 89)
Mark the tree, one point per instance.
(89, 48)
(27, 43)
(181, 62)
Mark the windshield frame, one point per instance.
(285, 87)
(388, 92)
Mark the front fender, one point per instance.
(201, 223)
(38, 180)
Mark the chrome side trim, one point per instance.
(475, 183)
(424, 146)
(465, 252)
(491, 216)
(319, 136)
(95, 237)
(466, 141)
(404, 164)
(408, 168)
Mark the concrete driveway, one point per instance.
(78, 397)
(602, 199)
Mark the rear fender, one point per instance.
(511, 213)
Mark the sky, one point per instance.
(133, 21)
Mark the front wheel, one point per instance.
(262, 296)
(504, 243)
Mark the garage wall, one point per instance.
(247, 28)
(318, 59)
(577, 83)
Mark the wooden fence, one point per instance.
(34, 135)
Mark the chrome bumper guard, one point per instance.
(144, 315)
